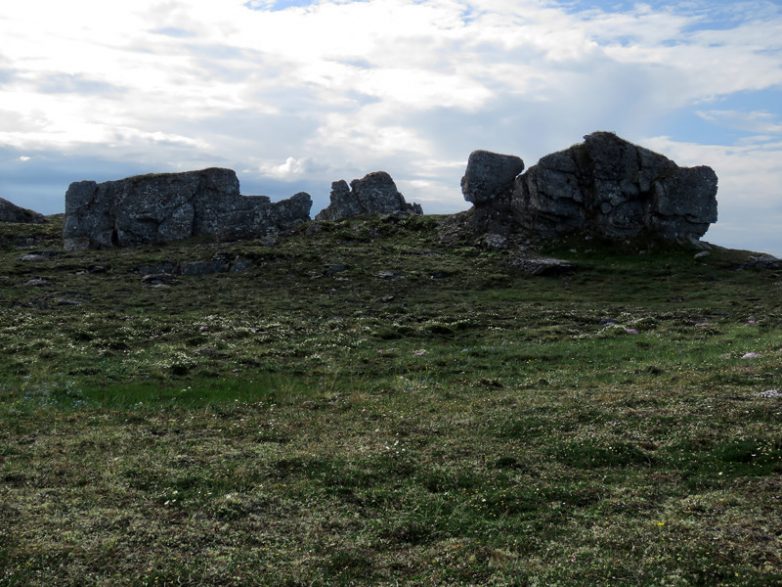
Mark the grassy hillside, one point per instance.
(366, 406)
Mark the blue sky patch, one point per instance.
(275, 5)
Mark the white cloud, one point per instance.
(753, 121)
(292, 168)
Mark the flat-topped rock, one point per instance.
(374, 194)
(10, 212)
(164, 207)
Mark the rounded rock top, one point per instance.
(489, 175)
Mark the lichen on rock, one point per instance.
(605, 187)
(166, 207)
(375, 193)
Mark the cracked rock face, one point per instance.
(609, 188)
(165, 207)
(375, 193)
(10, 212)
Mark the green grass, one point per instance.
(455, 424)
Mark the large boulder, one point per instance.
(10, 212)
(608, 188)
(489, 176)
(374, 194)
(158, 208)
(613, 189)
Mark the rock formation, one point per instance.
(605, 187)
(375, 193)
(489, 176)
(166, 207)
(10, 212)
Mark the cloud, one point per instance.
(299, 93)
(753, 121)
(291, 169)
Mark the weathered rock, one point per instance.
(604, 187)
(542, 266)
(208, 267)
(762, 262)
(10, 212)
(610, 188)
(33, 257)
(220, 263)
(37, 282)
(335, 268)
(158, 279)
(158, 208)
(374, 194)
(493, 241)
(489, 176)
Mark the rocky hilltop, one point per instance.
(173, 206)
(605, 187)
(10, 212)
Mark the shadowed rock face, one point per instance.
(375, 193)
(166, 207)
(489, 176)
(609, 188)
(10, 212)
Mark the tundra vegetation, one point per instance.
(364, 405)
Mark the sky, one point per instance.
(295, 94)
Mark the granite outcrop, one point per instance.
(374, 194)
(605, 187)
(159, 208)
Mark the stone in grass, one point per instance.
(542, 266)
(67, 302)
(220, 263)
(750, 356)
(32, 257)
(762, 262)
(37, 282)
(770, 394)
(156, 279)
